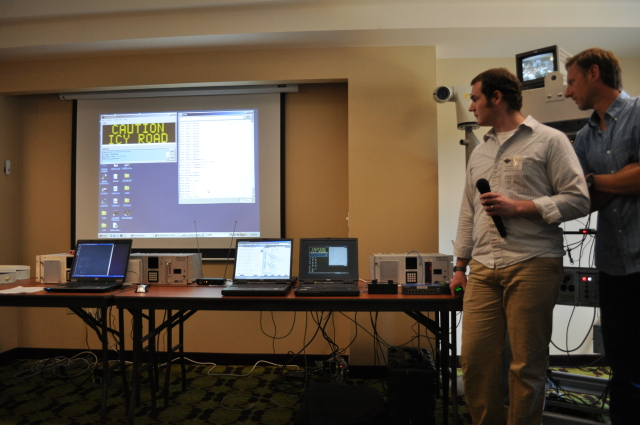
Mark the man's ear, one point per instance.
(496, 98)
(593, 73)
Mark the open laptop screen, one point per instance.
(329, 259)
(263, 259)
(100, 260)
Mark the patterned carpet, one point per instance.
(262, 397)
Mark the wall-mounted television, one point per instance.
(534, 65)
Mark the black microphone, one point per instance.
(483, 187)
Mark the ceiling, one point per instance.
(36, 29)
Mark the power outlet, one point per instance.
(569, 289)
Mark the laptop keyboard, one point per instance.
(259, 285)
(257, 289)
(87, 285)
(332, 285)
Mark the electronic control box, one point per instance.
(179, 269)
(53, 268)
(22, 272)
(411, 268)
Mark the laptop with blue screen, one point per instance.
(98, 266)
(262, 267)
(328, 267)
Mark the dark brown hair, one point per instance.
(505, 82)
(608, 64)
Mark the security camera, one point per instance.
(443, 94)
(461, 96)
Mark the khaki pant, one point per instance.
(518, 299)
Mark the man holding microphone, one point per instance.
(521, 183)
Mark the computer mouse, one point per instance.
(142, 288)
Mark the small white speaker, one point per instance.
(52, 271)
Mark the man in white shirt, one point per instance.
(535, 182)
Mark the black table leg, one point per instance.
(153, 358)
(122, 363)
(105, 363)
(454, 367)
(446, 371)
(137, 359)
(183, 367)
(167, 376)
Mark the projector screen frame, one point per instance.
(208, 253)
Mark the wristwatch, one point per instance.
(589, 178)
(460, 269)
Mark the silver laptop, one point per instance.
(328, 267)
(262, 267)
(98, 266)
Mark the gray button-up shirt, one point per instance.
(538, 164)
